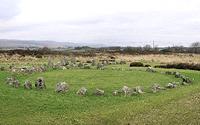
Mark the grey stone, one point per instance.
(171, 85)
(40, 83)
(99, 92)
(13, 82)
(28, 84)
(82, 91)
(62, 87)
(156, 88)
(150, 69)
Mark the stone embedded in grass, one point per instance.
(169, 73)
(126, 90)
(40, 83)
(184, 83)
(186, 80)
(100, 66)
(87, 66)
(9, 80)
(99, 92)
(117, 92)
(178, 75)
(80, 65)
(63, 68)
(171, 85)
(93, 62)
(13, 82)
(62, 87)
(156, 88)
(82, 91)
(28, 84)
(150, 69)
(139, 90)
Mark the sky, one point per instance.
(109, 22)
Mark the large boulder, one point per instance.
(82, 91)
(99, 92)
(40, 83)
(28, 84)
(62, 87)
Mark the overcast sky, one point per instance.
(114, 22)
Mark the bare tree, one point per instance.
(195, 47)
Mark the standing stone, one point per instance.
(82, 91)
(126, 90)
(28, 84)
(16, 83)
(13, 82)
(100, 66)
(62, 87)
(93, 62)
(50, 63)
(40, 83)
(156, 88)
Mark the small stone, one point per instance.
(99, 92)
(156, 88)
(171, 85)
(150, 69)
(13, 82)
(82, 91)
(139, 90)
(40, 83)
(62, 87)
(28, 84)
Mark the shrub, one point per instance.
(136, 64)
(88, 61)
(181, 66)
(38, 56)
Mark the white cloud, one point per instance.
(110, 21)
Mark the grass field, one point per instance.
(172, 106)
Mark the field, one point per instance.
(171, 106)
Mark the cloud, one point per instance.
(115, 23)
(8, 9)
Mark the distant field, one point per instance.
(46, 107)
(152, 59)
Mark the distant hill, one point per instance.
(7, 43)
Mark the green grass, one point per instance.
(19, 106)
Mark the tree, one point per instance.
(195, 47)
